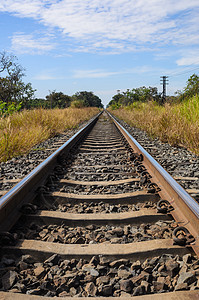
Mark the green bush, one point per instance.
(9, 109)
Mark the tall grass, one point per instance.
(21, 131)
(177, 124)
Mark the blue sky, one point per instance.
(102, 45)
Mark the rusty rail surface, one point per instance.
(26, 189)
(186, 209)
(183, 208)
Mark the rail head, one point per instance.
(186, 209)
(30, 183)
(191, 203)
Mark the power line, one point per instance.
(174, 72)
(177, 74)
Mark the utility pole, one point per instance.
(164, 82)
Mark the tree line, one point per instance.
(60, 100)
(16, 95)
(145, 94)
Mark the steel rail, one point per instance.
(186, 208)
(25, 190)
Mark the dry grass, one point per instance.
(177, 124)
(23, 130)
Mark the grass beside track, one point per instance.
(177, 124)
(21, 131)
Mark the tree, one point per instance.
(192, 87)
(88, 99)
(116, 101)
(58, 99)
(12, 87)
(37, 103)
(7, 62)
(142, 94)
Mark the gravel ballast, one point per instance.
(98, 276)
(176, 160)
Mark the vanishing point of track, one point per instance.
(99, 218)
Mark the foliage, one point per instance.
(57, 99)
(37, 103)
(142, 94)
(78, 104)
(12, 87)
(14, 90)
(191, 89)
(60, 100)
(8, 109)
(88, 99)
(116, 101)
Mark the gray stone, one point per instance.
(123, 273)
(105, 290)
(172, 267)
(104, 260)
(146, 286)
(91, 289)
(117, 263)
(72, 291)
(116, 240)
(102, 279)
(126, 285)
(140, 290)
(153, 261)
(94, 272)
(64, 264)
(136, 265)
(158, 286)
(39, 271)
(187, 258)
(187, 277)
(118, 231)
(54, 259)
(9, 279)
(22, 265)
(181, 286)
(27, 259)
(89, 278)
(139, 278)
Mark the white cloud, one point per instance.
(93, 74)
(98, 73)
(27, 43)
(115, 25)
(22, 8)
(189, 57)
(187, 61)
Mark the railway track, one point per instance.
(99, 218)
